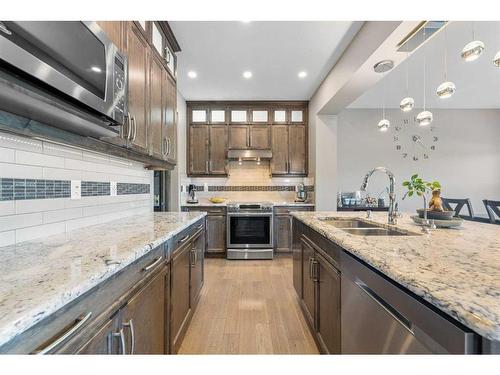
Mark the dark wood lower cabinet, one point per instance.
(308, 283)
(197, 270)
(327, 305)
(143, 318)
(103, 342)
(180, 300)
(216, 234)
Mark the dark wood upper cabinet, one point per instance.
(297, 143)
(114, 30)
(198, 149)
(279, 146)
(239, 137)
(170, 115)
(137, 50)
(157, 111)
(279, 126)
(218, 149)
(144, 318)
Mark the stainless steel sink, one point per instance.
(363, 228)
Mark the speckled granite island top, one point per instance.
(39, 277)
(456, 270)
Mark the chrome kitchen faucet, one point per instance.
(393, 210)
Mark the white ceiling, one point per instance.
(477, 82)
(275, 52)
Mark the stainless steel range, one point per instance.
(250, 230)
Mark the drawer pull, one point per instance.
(153, 264)
(182, 240)
(130, 324)
(199, 226)
(70, 332)
(121, 335)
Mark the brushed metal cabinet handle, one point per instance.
(199, 226)
(130, 325)
(169, 143)
(135, 128)
(184, 239)
(152, 264)
(129, 126)
(121, 335)
(70, 332)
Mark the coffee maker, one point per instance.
(300, 193)
(192, 194)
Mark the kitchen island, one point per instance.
(454, 273)
(43, 282)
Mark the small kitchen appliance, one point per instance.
(192, 194)
(300, 193)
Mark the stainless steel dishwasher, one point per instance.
(379, 317)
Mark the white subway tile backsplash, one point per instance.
(20, 143)
(31, 233)
(11, 222)
(7, 155)
(62, 215)
(7, 238)
(63, 151)
(35, 158)
(40, 205)
(61, 174)
(10, 170)
(7, 208)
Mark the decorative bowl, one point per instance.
(437, 215)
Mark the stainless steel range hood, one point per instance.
(249, 154)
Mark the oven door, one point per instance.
(75, 58)
(250, 230)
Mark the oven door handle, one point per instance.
(250, 214)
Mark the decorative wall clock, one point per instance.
(413, 141)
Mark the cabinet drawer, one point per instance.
(284, 210)
(77, 319)
(185, 236)
(210, 210)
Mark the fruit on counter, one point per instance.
(216, 200)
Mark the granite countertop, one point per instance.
(204, 202)
(456, 270)
(39, 277)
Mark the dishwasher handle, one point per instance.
(406, 323)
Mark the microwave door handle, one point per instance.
(129, 126)
(135, 128)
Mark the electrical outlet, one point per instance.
(113, 188)
(205, 186)
(76, 189)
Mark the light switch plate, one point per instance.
(113, 188)
(76, 189)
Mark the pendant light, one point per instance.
(496, 60)
(407, 104)
(384, 124)
(447, 88)
(472, 50)
(425, 117)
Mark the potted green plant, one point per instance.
(418, 187)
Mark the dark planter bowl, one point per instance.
(436, 215)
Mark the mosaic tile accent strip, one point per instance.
(255, 188)
(12, 189)
(95, 189)
(129, 188)
(21, 189)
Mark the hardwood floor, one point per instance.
(248, 307)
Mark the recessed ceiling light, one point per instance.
(302, 74)
(247, 74)
(192, 74)
(96, 69)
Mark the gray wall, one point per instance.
(27, 219)
(466, 161)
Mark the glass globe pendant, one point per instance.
(446, 89)
(384, 125)
(496, 60)
(407, 104)
(472, 50)
(424, 118)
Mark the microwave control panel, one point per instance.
(120, 89)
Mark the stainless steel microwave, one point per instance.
(73, 58)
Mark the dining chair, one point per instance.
(492, 208)
(460, 203)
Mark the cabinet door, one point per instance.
(328, 306)
(198, 149)
(144, 318)
(157, 109)
(179, 296)
(216, 234)
(308, 282)
(279, 142)
(297, 151)
(114, 31)
(238, 137)
(170, 107)
(297, 257)
(260, 137)
(282, 233)
(197, 254)
(138, 71)
(103, 342)
(218, 149)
